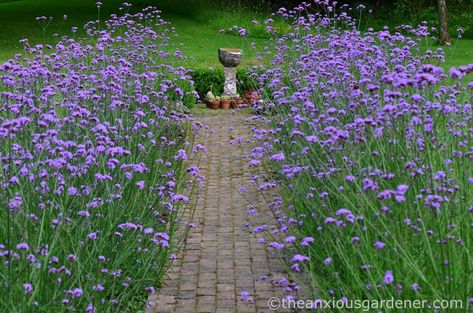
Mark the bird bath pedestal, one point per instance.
(230, 59)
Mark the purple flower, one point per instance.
(277, 157)
(311, 139)
(83, 213)
(23, 246)
(76, 292)
(388, 277)
(245, 296)
(27, 288)
(379, 245)
(402, 189)
(290, 239)
(140, 184)
(72, 191)
(276, 245)
(330, 220)
(343, 211)
(300, 258)
(307, 241)
(179, 197)
(181, 155)
(350, 178)
(90, 308)
(242, 32)
(254, 163)
(454, 73)
(130, 226)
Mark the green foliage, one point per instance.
(189, 98)
(397, 12)
(213, 79)
(208, 79)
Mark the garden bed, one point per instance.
(92, 148)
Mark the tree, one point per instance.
(443, 17)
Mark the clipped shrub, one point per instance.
(206, 79)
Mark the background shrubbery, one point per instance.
(390, 12)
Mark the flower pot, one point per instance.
(251, 96)
(248, 94)
(225, 104)
(233, 104)
(214, 105)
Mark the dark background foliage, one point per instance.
(396, 12)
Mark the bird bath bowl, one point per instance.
(230, 57)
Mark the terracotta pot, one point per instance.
(248, 94)
(233, 104)
(214, 105)
(225, 104)
(251, 96)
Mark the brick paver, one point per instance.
(221, 256)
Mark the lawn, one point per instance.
(197, 23)
(201, 39)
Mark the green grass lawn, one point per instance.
(197, 22)
(201, 39)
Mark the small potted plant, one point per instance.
(234, 102)
(241, 102)
(215, 104)
(225, 102)
(251, 96)
(209, 98)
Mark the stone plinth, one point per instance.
(230, 88)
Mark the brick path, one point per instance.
(221, 257)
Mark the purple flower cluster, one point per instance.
(91, 146)
(372, 141)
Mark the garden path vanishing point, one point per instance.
(221, 257)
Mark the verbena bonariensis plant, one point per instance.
(373, 147)
(91, 149)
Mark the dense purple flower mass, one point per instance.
(373, 143)
(91, 146)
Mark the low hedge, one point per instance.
(206, 79)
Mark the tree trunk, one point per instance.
(443, 17)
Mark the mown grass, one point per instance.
(200, 39)
(198, 24)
